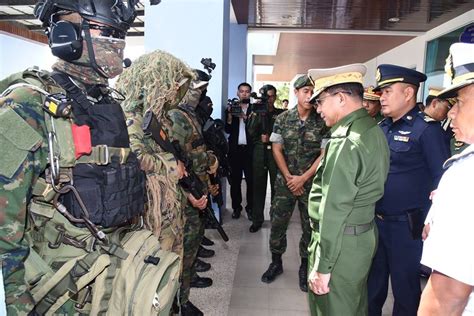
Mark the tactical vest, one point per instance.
(85, 255)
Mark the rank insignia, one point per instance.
(400, 138)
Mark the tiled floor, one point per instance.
(246, 256)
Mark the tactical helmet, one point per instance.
(118, 14)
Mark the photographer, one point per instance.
(239, 149)
(259, 126)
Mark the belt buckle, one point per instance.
(104, 157)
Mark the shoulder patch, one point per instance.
(17, 138)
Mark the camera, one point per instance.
(234, 107)
(260, 103)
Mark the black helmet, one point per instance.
(118, 14)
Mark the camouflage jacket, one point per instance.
(301, 140)
(23, 139)
(186, 130)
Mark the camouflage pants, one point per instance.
(171, 239)
(193, 232)
(262, 165)
(282, 208)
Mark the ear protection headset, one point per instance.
(65, 40)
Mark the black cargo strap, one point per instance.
(351, 230)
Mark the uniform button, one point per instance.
(390, 131)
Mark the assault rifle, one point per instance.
(191, 182)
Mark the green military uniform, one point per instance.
(187, 132)
(301, 141)
(347, 184)
(262, 162)
(378, 117)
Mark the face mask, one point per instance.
(192, 97)
(108, 53)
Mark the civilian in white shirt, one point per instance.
(449, 236)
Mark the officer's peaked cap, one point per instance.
(389, 74)
(460, 68)
(328, 77)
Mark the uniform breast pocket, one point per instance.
(399, 147)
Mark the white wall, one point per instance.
(412, 53)
(17, 54)
(191, 30)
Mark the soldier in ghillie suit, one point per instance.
(70, 187)
(156, 82)
(187, 132)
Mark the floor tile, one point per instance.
(248, 297)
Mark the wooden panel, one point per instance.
(299, 52)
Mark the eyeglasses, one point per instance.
(108, 31)
(319, 101)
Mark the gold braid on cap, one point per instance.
(448, 67)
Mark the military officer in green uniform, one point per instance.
(259, 127)
(347, 184)
(296, 146)
(371, 103)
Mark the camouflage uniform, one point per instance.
(186, 130)
(162, 178)
(24, 149)
(262, 163)
(301, 143)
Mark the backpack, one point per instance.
(73, 269)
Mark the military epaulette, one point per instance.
(428, 118)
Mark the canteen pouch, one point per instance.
(415, 222)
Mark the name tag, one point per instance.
(400, 138)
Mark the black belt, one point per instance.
(353, 230)
(392, 218)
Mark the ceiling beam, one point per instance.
(16, 29)
(18, 2)
(39, 27)
(136, 34)
(13, 17)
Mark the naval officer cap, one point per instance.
(328, 77)
(389, 74)
(460, 68)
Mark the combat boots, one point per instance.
(201, 266)
(188, 309)
(303, 274)
(205, 253)
(274, 270)
(200, 282)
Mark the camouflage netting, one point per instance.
(152, 81)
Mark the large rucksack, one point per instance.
(72, 269)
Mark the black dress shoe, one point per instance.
(199, 282)
(255, 228)
(303, 277)
(249, 214)
(236, 214)
(188, 309)
(205, 253)
(206, 241)
(274, 270)
(201, 266)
